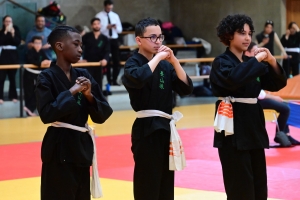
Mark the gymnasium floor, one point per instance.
(20, 142)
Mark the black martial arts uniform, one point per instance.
(270, 44)
(151, 136)
(8, 57)
(242, 154)
(94, 51)
(29, 78)
(293, 62)
(67, 154)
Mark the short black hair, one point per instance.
(108, 2)
(60, 32)
(231, 24)
(269, 22)
(252, 44)
(36, 37)
(291, 25)
(38, 16)
(141, 26)
(95, 19)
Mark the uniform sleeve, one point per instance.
(179, 86)
(17, 37)
(283, 41)
(136, 76)
(101, 111)
(31, 59)
(272, 81)
(52, 108)
(230, 77)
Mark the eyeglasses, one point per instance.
(154, 38)
(269, 22)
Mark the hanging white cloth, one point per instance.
(176, 154)
(96, 189)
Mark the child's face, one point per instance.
(151, 39)
(37, 44)
(241, 40)
(71, 47)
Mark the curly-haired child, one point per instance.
(240, 133)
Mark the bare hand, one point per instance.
(86, 83)
(103, 63)
(265, 41)
(263, 54)
(46, 46)
(45, 63)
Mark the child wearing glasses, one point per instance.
(267, 38)
(240, 133)
(150, 76)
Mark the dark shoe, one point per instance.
(293, 141)
(116, 84)
(282, 139)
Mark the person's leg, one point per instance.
(3, 73)
(12, 94)
(237, 172)
(98, 76)
(115, 53)
(281, 107)
(29, 95)
(259, 168)
(286, 67)
(64, 181)
(150, 167)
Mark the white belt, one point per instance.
(176, 154)
(96, 189)
(295, 49)
(224, 114)
(7, 47)
(34, 71)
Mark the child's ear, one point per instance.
(59, 46)
(138, 40)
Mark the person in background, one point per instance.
(111, 27)
(267, 38)
(269, 101)
(40, 30)
(291, 42)
(96, 49)
(10, 39)
(35, 56)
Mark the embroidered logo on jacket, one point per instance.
(161, 80)
(79, 97)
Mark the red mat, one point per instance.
(203, 170)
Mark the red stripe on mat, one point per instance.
(203, 170)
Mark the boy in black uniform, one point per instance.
(35, 56)
(66, 96)
(150, 75)
(239, 79)
(96, 49)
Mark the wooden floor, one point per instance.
(27, 130)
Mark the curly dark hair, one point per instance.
(231, 24)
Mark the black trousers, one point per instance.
(152, 178)
(244, 172)
(115, 54)
(29, 84)
(96, 73)
(282, 108)
(11, 73)
(65, 182)
(291, 64)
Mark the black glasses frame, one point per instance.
(160, 37)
